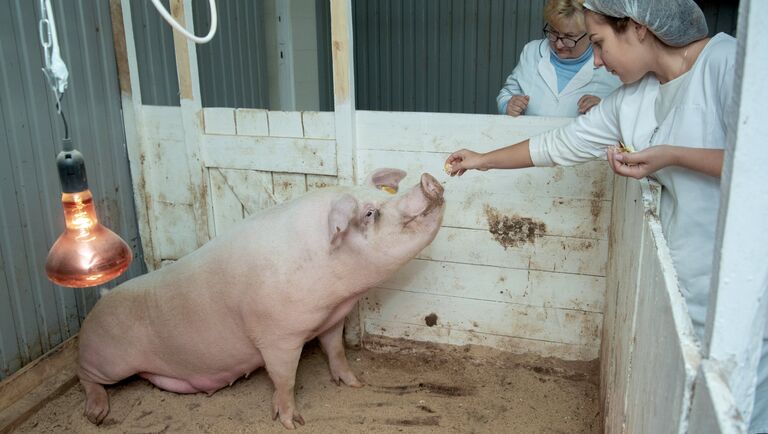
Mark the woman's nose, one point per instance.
(598, 58)
(559, 44)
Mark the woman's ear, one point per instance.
(640, 30)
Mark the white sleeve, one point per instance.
(512, 85)
(511, 88)
(584, 139)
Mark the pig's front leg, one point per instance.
(332, 343)
(281, 364)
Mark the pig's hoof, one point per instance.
(288, 415)
(96, 402)
(349, 379)
(96, 408)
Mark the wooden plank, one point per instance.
(345, 118)
(28, 389)
(626, 246)
(134, 121)
(169, 182)
(251, 122)
(227, 209)
(162, 123)
(504, 285)
(316, 182)
(714, 409)
(285, 124)
(666, 352)
(219, 120)
(592, 181)
(288, 186)
(447, 132)
(505, 319)
(318, 125)
(310, 156)
(546, 253)
(174, 229)
(192, 118)
(375, 328)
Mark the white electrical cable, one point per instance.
(197, 39)
(55, 69)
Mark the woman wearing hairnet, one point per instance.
(556, 76)
(672, 111)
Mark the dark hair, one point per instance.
(619, 25)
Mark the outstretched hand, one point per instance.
(461, 161)
(640, 164)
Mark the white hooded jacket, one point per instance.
(535, 76)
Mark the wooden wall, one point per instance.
(519, 264)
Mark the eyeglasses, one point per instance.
(553, 37)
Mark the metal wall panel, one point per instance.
(36, 315)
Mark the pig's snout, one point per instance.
(431, 187)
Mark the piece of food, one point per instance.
(624, 148)
(448, 168)
(388, 189)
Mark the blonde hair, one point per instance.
(558, 11)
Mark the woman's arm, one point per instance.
(648, 161)
(515, 156)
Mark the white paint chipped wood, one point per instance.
(505, 285)
(277, 154)
(251, 122)
(288, 186)
(452, 336)
(483, 316)
(547, 253)
(318, 125)
(285, 124)
(714, 409)
(219, 120)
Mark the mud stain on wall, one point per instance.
(513, 231)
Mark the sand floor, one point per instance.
(413, 388)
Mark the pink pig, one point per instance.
(253, 296)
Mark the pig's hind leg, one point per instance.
(332, 342)
(96, 398)
(281, 363)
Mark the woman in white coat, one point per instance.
(672, 111)
(555, 76)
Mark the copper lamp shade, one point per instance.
(87, 253)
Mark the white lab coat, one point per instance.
(535, 76)
(689, 200)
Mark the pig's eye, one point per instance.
(371, 214)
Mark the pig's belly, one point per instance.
(208, 379)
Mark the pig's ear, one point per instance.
(343, 210)
(386, 177)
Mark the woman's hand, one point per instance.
(461, 161)
(640, 164)
(586, 102)
(517, 105)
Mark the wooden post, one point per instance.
(192, 119)
(130, 95)
(344, 103)
(737, 304)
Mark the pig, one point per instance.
(253, 296)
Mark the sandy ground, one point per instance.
(413, 388)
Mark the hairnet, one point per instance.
(674, 22)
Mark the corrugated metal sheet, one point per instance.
(437, 55)
(36, 315)
(453, 56)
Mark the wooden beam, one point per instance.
(37, 383)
